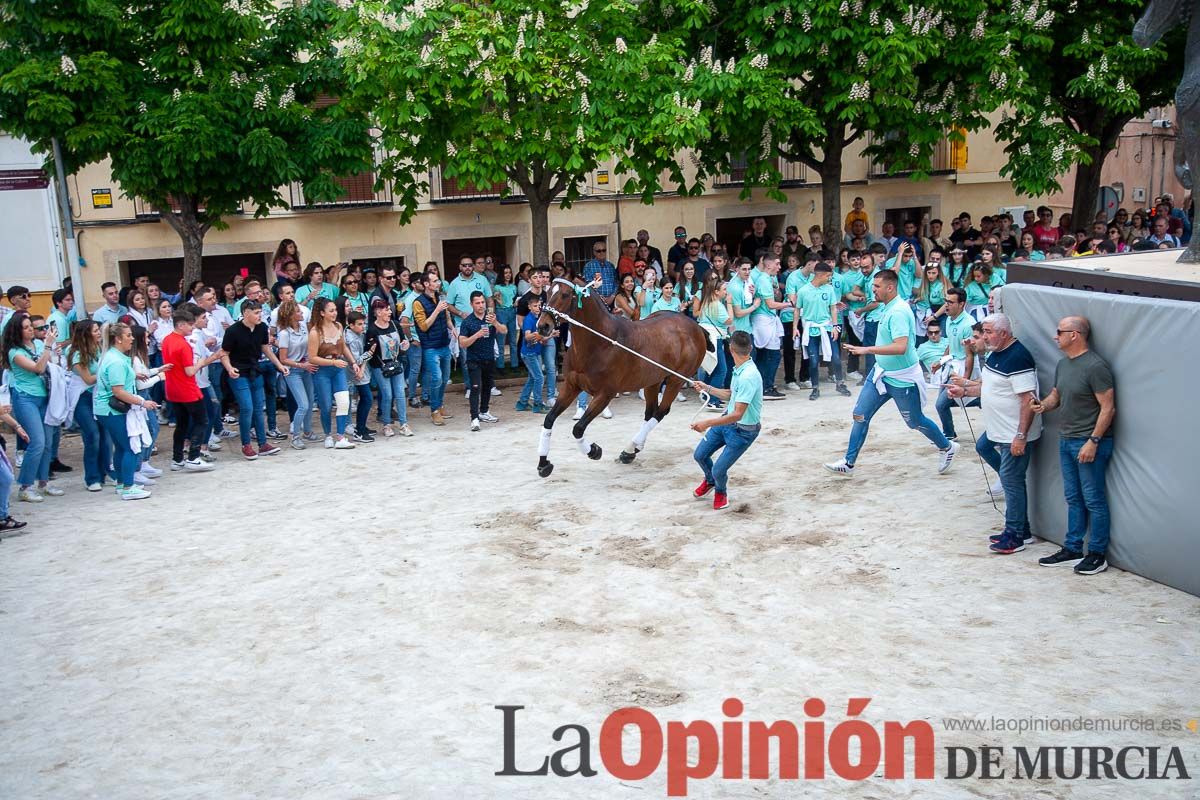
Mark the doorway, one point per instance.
(899, 216)
(502, 249)
(215, 271)
(731, 230)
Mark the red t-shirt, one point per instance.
(625, 266)
(181, 387)
(1045, 237)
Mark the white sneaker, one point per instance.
(578, 413)
(682, 398)
(641, 394)
(328, 442)
(856, 375)
(946, 457)
(227, 434)
(404, 430)
(551, 401)
(606, 413)
(134, 493)
(30, 495)
(94, 487)
(343, 444)
(197, 466)
(176, 466)
(488, 417)
(388, 431)
(150, 471)
(51, 490)
(840, 467)
(496, 392)
(468, 394)
(214, 442)
(474, 424)
(792, 386)
(142, 480)
(20, 459)
(228, 419)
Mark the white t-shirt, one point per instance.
(199, 351)
(1006, 374)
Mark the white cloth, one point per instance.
(911, 374)
(767, 330)
(826, 343)
(138, 429)
(199, 352)
(61, 403)
(858, 323)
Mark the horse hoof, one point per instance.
(626, 458)
(595, 453)
(544, 470)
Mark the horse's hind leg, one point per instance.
(651, 419)
(596, 404)
(565, 398)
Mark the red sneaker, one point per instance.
(269, 449)
(704, 488)
(248, 452)
(720, 501)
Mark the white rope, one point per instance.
(705, 397)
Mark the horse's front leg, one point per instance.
(596, 404)
(565, 398)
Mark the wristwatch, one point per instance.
(1020, 435)
(1094, 439)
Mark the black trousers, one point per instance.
(481, 375)
(191, 423)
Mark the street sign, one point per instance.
(15, 179)
(101, 198)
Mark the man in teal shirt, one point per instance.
(817, 330)
(63, 314)
(894, 378)
(736, 429)
(958, 328)
(742, 298)
(904, 264)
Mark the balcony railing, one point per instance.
(143, 209)
(444, 189)
(942, 162)
(793, 173)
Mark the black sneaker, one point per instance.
(773, 394)
(370, 431)
(1091, 564)
(1062, 558)
(58, 466)
(814, 394)
(1025, 537)
(842, 390)
(363, 437)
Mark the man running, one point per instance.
(895, 376)
(736, 429)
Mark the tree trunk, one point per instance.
(539, 213)
(1085, 201)
(191, 230)
(831, 186)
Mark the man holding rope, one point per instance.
(736, 429)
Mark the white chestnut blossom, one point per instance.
(540, 22)
(143, 108)
(261, 97)
(198, 71)
(287, 98)
(874, 18)
(844, 8)
(759, 61)
(889, 27)
(690, 73)
(67, 66)
(620, 46)
(451, 150)
(584, 104)
(914, 150)
(862, 60)
(579, 134)
(1044, 22)
(806, 21)
(176, 95)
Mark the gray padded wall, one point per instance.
(1153, 479)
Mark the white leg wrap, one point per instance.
(341, 401)
(639, 441)
(544, 443)
(584, 445)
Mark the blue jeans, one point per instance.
(364, 406)
(767, 362)
(300, 388)
(214, 410)
(814, 360)
(6, 482)
(125, 460)
(215, 371)
(327, 381)
(416, 368)
(908, 401)
(1012, 477)
(96, 450)
(735, 440)
(248, 392)
(437, 371)
(870, 334)
(30, 410)
(1083, 485)
(531, 394)
(717, 376)
(391, 391)
(508, 318)
(550, 368)
(152, 424)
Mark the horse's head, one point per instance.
(1160, 17)
(559, 299)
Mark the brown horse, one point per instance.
(596, 366)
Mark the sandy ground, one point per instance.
(335, 625)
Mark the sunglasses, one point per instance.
(1061, 332)
(387, 277)
(39, 327)
(601, 250)
(681, 236)
(352, 283)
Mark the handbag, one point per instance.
(391, 367)
(120, 406)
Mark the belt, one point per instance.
(755, 428)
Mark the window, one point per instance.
(578, 251)
(389, 262)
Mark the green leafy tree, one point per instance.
(834, 71)
(1086, 80)
(533, 94)
(200, 105)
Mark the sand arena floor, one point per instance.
(336, 625)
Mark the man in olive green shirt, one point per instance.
(737, 428)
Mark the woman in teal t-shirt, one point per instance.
(27, 360)
(716, 313)
(667, 301)
(115, 380)
(504, 295)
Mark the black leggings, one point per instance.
(191, 423)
